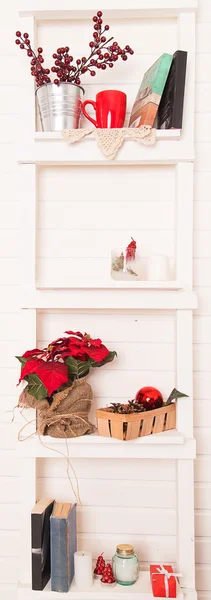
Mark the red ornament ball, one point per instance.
(150, 397)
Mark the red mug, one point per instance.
(110, 108)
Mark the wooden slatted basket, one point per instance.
(129, 427)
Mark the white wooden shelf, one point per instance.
(116, 285)
(141, 590)
(57, 151)
(161, 134)
(169, 444)
(107, 299)
(43, 9)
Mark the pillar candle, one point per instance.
(83, 570)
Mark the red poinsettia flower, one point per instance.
(52, 366)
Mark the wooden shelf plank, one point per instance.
(161, 134)
(56, 151)
(169, 444)
(128, 299)
(117, 285)
(44, 9)
(141, 589)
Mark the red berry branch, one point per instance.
(104, 53)
(37, 70)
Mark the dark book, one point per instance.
(40, 541)
(63, 545)
(170, 111)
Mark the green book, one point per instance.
(146, 104)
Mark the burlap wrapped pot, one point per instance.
(67, 416)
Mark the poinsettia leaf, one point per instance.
(77, 368)
(36, 387)
(22, 360)
(77, 333)
(106, 360)
(30, 366)
(174, 395)
(32, 353)
(52, 375)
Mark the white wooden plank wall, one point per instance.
(146, 351)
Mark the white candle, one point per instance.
(83, 570)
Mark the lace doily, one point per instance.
(110, 140)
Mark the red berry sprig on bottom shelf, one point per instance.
(100, 565)
(108, 576)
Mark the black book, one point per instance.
(40, 541)
(170, 111)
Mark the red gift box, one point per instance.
(163, 583)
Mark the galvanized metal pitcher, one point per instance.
(59, 106)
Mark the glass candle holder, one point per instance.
(124, 267)
(125, 565)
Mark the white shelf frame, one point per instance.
(41, 149)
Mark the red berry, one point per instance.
(47, 71)
(92, 61)
(95, 19)
(127, 48)
(91, 44)
(22, 46)
(106, 27)
(26, 35)
(56, 81)
(131, 51)
(47, 79)
(95, 34)
(98, 65)
(103, 39)
(92, 73)
(78, 62)
(18, 33)
(124, 57)
(100, 21)
(78, 81)
(96, 27)
(59, 51)
(103, 66)
(71, 58)
(29, 53)
(17, 41)
(53, 69)
(40, 50)
(111, 65)
(54, 55)
(66, 48)
(106, 55)
(99, 13)
(40, 58)
(84, 69)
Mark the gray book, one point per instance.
(63, 538)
